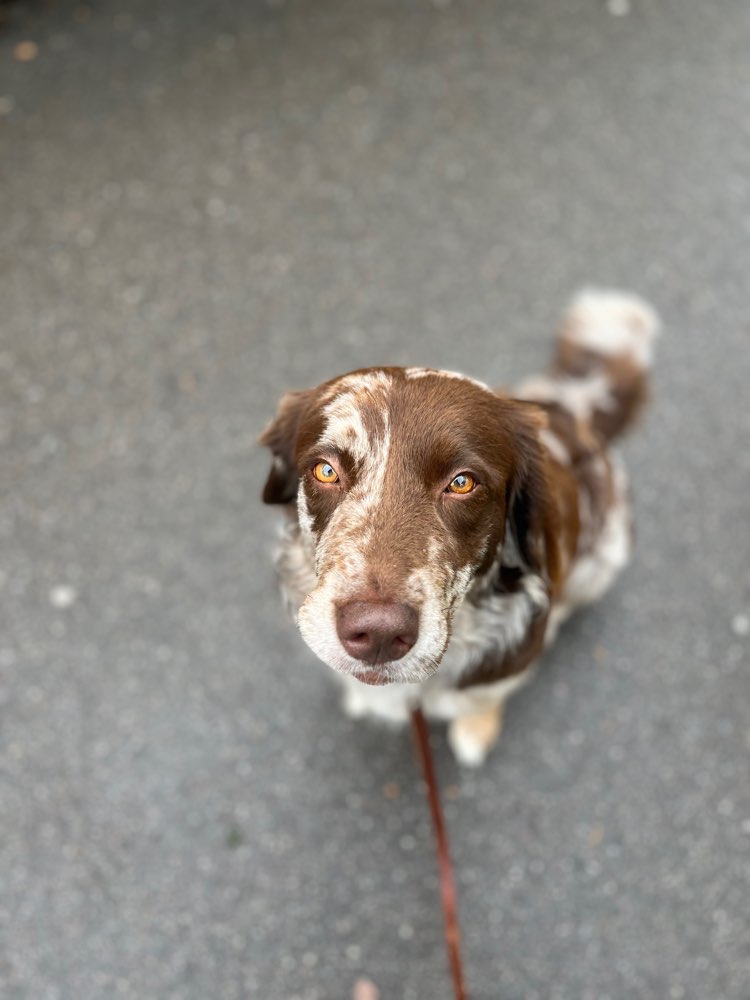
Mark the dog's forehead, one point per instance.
(438, 375)
(354, 412)
(373, 405)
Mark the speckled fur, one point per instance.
(491, 592)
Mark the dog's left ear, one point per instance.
(532, 514)
(281, 437)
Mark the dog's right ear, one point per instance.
(281, 437)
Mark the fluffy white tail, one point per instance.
(604, 353)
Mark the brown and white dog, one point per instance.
(440, 531)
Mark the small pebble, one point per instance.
(618, 8)
(26, 51)
(596, 836)
(63, 596)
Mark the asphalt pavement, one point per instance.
(204, 204)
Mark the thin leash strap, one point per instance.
(447, 881)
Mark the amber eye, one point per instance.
(463, 483)
(324, 472)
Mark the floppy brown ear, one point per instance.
(281, 437)
(532, 513)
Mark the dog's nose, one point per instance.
(377, 632)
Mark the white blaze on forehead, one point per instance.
(344, 426)
(413, 373)
(347, 532)
(365, 381)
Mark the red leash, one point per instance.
(447, 882)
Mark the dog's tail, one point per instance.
(604, 352)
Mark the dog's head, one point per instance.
(408, 483)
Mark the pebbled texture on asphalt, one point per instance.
(203, 204)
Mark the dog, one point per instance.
(439, 532)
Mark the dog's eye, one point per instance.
(463, 483)
(324, 472)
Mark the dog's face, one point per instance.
(406, 481)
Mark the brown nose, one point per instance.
(377, 633)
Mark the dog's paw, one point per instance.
(467, 750)
(473, 736)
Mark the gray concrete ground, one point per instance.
(206, 203)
